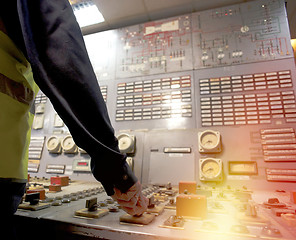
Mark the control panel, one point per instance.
(205, 98)
(240, 34)
(221, 119)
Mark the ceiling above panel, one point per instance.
(121, 13)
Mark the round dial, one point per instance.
(210, 169)
(126, 143)
(53, 144)
(69, 145)
(209, 141)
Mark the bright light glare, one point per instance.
(88, 15)
(293, 42)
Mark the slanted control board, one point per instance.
(206, 97)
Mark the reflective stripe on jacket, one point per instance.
(17, 91)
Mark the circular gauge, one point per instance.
(53, 144)
(126, 143)
(69, 145)
(210, 169)
(209, 141)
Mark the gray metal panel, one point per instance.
(248, 32)
(172, 121)
(245, 31)
(167, 134)
(61, 159)
(101, 49)
(160, 167)
(240, 70)
(171, 167)
(155, 47)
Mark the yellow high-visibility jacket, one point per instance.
(17, 92)
(50, 38)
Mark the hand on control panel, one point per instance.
(133, 201)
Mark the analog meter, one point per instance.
(209, 141)
(69, 145)
(53, 144)
(242, 168)
(126, 143)
(210, 169)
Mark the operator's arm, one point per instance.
(61, 67)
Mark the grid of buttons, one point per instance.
(36, 147)
(163, 112)
(281, 175)
(250, 82)
(154, 85)
(154, 98)
(40, 98)
(104, 92)
(248, 109)
(278, 144)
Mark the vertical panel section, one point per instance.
(101, 49)
(250, 32)
(155, 47)
(162, 101)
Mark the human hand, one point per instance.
(133, 201)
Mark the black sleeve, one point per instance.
(61, 67)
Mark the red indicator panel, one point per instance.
(82, 163)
